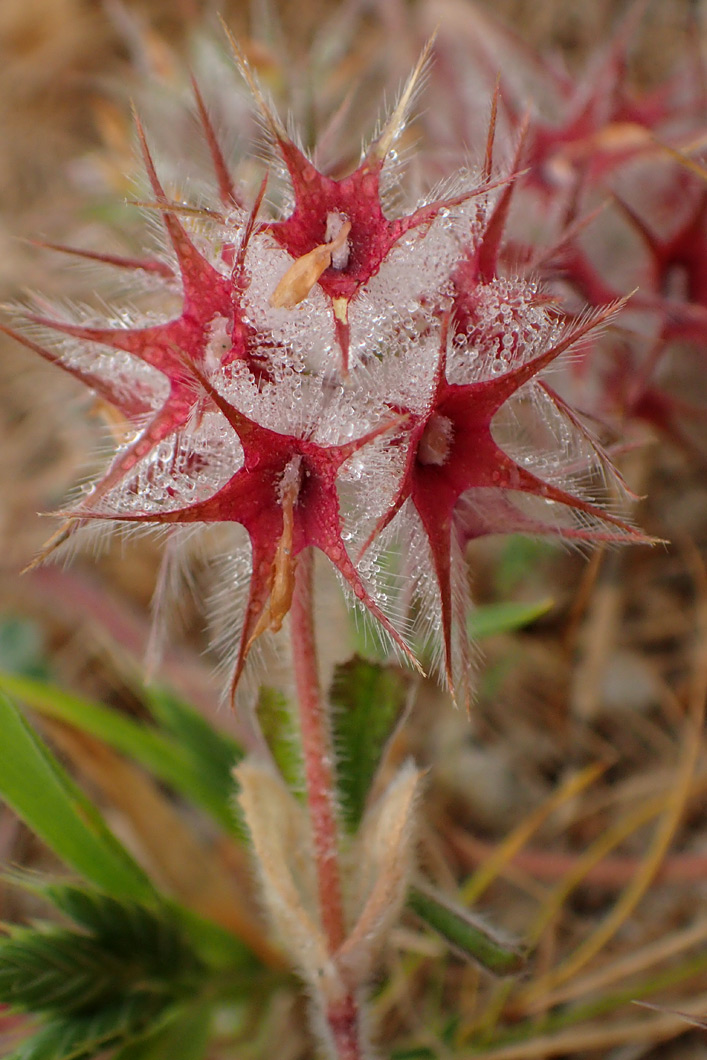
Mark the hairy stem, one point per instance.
(316, 748)
(342, 1014)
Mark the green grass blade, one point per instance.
(213, 751)
(42, 793)
(157, 752)
(504, 617)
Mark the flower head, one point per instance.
(338, 372)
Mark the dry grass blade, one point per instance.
(575, 1040)
(507, 850)
(596, 853)
(675, 801)
(633, 963)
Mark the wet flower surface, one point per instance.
(333, 380)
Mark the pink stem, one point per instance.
(342, 1015)
(316, 748)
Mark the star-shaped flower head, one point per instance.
(212, 328)
(461, 483)
(284, 493)
(237, 416)
(338, 233)
(678, 262)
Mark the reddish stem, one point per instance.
(342, 1015)
(316, 748)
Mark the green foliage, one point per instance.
(126, 929)
(213, 753)
(190, 757)
(277, 724)
(34, 784)
(504, 617)
(83, 1037)
(22, 648)
(422, 1052)
(465, 932)
(120, 949)
(369, 701)
(520, 559)
(109, 980)
(184, 1035)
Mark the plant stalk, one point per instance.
(342, 1014)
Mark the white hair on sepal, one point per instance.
(541, 434)
(403, 371)
(228, 579)
(186, 547)
(394, 198)
(423, 603)
(584, 440)
(466, 179)
(377, 638)
(465, 653)
(92, 538)
(119, 368)
(380, 582)
(392, 122)
(399, 555)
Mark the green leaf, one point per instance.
(465, 932)
(22, 648)
(522, 558)
(420, 1052)
(163, 756)
(276, 721)
(369, 700)
(505, 617)
(82, 1037)
(125, 949)
(130, 931)
(56, 970)
(214, 753)
(183, 1036)
(215, 946)
(34, 784)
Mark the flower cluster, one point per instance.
(613, 171)
(341, 376)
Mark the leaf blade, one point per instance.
(155, 751)
(505, 617)
(369, 700)
(41, 792)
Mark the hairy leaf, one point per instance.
(125, 949)
(279, 730)
(466, 933)
(369, 700)
(131, 932)
(55, 970)
(82, 1037)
